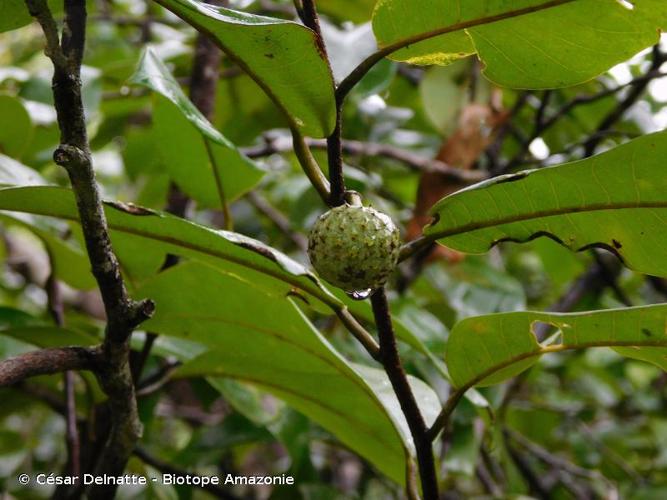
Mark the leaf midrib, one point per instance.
(559, 348)
(476, 226)
(420, 37)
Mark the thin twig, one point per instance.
(167, 468)
(638, 84)
(359, 332)
(448, 408)
(536, 484)
(278, 219)
(158, 380)
(56, 307)
(412, 160)
(309, 16)
(551, 459)
(47, 362)
(637, 88)
(310, 166)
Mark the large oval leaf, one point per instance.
(616, 200)
(283, 57)
(522, 43)
(489, 349)
(196, 155)
(256, 338)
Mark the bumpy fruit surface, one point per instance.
(354, 247)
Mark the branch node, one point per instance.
(69, 157)
(141, 311)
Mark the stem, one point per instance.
(413, 161)
(335, 157)
(446, 412)
(310, 166)
(391, 361)
(226, 212)
(359, 332)
(310, 18)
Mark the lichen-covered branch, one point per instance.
(123, 313)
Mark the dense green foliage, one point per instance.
(549, 336)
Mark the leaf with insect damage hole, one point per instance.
(487, 350)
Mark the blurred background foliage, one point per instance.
(578, 425)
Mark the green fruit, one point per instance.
(354, 248)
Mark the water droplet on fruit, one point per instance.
(359, 294)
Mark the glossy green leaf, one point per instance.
(283, 57)
(616, 200)
(178, 236)
(256, 338)
(195, 154)
(522, 43)
(489, 349)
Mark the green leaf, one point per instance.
(174, 235)
(522, 43)
(489, 349)
(14, 139)
(283, 57)
(254, 337)
(21, 326)
(13, 173)
(616, 200)
(14, 15)
(195, 154)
